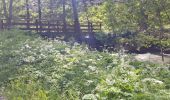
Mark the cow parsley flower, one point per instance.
(89, 82)
(92, 68)
(29, 59)
(155, 81)
(110, 82)
(27, 46)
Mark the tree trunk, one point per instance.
(64, 16)
(10, 13)
(39, 16)
(158, 15)
(27, 8)
(85, 9)
(76, 20)
(28, 13)
(162, 54)
(51, 9)
(143, 21)
(5, 9)
(39, 10)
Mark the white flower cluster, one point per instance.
(152, 80)
(92, 68)
(29, 59)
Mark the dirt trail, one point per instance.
(1, 98)
(154, 58)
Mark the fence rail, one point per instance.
(49, 26)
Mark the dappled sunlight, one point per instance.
(84, 50)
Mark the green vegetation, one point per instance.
(32, 68)
(148, 19)
(35, 69)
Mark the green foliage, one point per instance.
(20, 89)
(36, 69)
(149, 19)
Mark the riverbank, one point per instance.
(153, 58)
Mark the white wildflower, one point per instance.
(42, 56)
(65, 66)
(152, 80)
(29, 59)
(89, 82)
(113, 54)
(110, 82)
(83, 64)
(131, 73)
(48, 47)
(86, 60)
(86, 71)
(76, 44)
(90, 60)
(94, 62)
(100, 56)
(67, 50)
(109, 66)
(39, 74)
(87, 36)
(89, 97)
(27, 46)
(125, 81)
(98, 59)
(92, 68)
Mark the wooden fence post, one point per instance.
(40, 26)
(58, 27)
(64, 27)
(100, 26)
(91, 27)
(28, 23)
(48, 26)
(36, 23)
(2, 21)
(1, 25)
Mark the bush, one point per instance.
(32, 68)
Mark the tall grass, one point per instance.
(35, 69)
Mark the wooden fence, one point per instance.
(41, 26)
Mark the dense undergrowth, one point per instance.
(35, 69)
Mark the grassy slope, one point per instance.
(36, 69)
